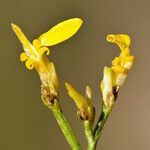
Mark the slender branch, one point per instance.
(101, 122)
(89, 135)
(65, 127)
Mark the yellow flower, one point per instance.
(34, 55)
(122, 64)
(114, 76)
(84, 104)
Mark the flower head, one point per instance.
(83, 103)
(34, 54)
(34, 51)
(122, 64)
(115, 75)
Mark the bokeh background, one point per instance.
(25, 123)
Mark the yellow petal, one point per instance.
(43, 50)
(125, 52)
(36, 43)
(30, 63)
(111, 38)
(23, 57)
(118, 69)
(122, 40)
(128, 58)
(78, 99)
(25, 42)
(116, 61)
(61, 32)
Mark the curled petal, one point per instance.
(24, 57)
(118, 69)
(125, 52)
(116, 61)
(43, 50)
(36, 43)
(111, 38)
(30, 63)
(122, 40)
(128, 58)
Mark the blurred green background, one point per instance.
(25, 123)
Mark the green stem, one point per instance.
(101, 122)
(65, 127)
(89, 135)
(93, 136)
(92, 146)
